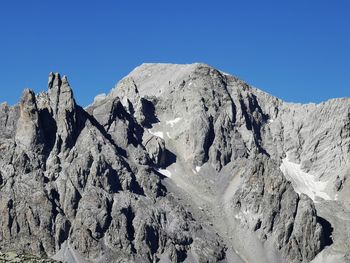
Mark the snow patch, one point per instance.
(304, 182)
(173, 122)
(165, 172)
(156, 133)
(168, 134)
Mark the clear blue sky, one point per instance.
(296, 50)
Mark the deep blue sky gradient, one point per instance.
(296, 50)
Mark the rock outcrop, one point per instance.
(66, 179)
(166, 166)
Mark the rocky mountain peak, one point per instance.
(178, 163)
(60, 94)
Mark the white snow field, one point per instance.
(165, 172)
(304, 182)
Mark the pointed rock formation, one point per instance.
(28, 132)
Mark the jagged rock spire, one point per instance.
(28, 125)
(60, 93)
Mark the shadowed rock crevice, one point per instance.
(129, 215)
(49, 130)
(152, 240)
(328, 231)
(149, 112)
(209, 139)
(169, 159)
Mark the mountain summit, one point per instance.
(178, 163)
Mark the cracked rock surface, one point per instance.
(178, 163)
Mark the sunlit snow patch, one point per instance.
(165, 172)
(173, 122)
(304, 182)
(156, 133)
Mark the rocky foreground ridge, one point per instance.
(178, 163)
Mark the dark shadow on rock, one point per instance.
(135, 131)
(152, 238)
(49, 128)
(113, 181)
(169, 159)
(181, 255)
(135, 186)
(209, 139)
(129, 215)
(327, 231)
(149, 112)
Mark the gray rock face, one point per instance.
(179, 163)
(267, 203)
(65, 179)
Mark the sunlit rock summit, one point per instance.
(178, 163)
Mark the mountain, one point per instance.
(178, 163)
